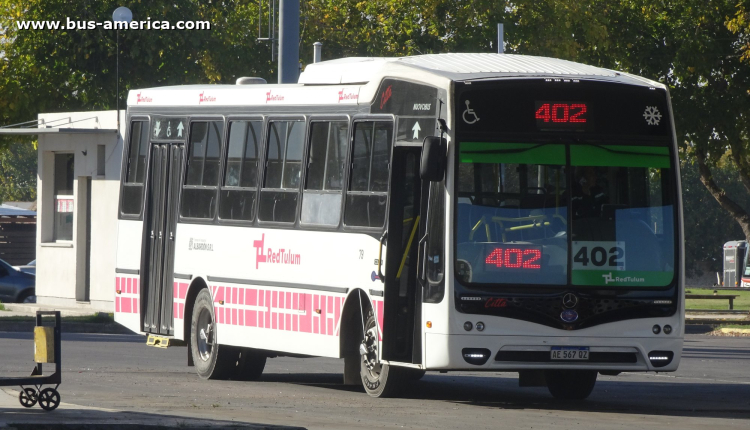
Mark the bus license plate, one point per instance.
(569, 353)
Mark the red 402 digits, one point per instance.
(515, 258)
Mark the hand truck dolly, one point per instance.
(46, 350)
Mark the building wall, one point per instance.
(61, 265)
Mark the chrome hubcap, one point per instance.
(205, 339)
(369, 352)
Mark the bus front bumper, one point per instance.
(515, 353)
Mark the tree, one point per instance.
(18, 173)
(58, 70)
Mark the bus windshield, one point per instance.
(564, 214)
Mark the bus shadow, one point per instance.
(683, 399)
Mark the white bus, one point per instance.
(437, 212)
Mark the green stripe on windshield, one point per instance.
(518, 153)
(619, 156)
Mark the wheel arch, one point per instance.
(30, 291)
(351, 325)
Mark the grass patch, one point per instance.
(99, 318)
(733, 326)
(740, 303)
(2, 306)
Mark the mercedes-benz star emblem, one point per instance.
(570, 300)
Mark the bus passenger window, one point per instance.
(237, 196)
(278, 198)
(368, 188)
(132, 186)
(321, 202)
(199, 191)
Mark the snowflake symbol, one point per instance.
(652, 115)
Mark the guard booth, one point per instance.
(735, 255)
(78, 188)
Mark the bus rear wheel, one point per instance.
(212, 361)
(250, 364)
(570, 384)
(378, 379)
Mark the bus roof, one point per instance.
(343, 81)
(454, 66)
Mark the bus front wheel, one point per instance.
(570, 384)
(378, 379)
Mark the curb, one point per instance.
(66, 327)
(735, 330)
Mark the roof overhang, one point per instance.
(40, 130)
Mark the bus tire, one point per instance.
(378, 379)
(212, 361)
(250, 364)
(413, 374)
(570, 384)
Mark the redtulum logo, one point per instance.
(273, 97)
(142, 99)
(204, 99)
(347, 96)
(279, 256)
(386, 96)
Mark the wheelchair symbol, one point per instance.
(469, 111)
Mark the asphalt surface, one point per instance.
(121, 380)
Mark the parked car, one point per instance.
(16, 286)
(28, 268)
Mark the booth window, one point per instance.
(64, 200)
(237, 196)
(321, 201)
(132, 187)
(280, 192)
(367, 196)
(202, 178)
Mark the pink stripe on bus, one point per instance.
(316, 320)
(267, 311)
(330, 312)
(126, 305)
(117, 304)
(304, 324)
(338, 312)
(135, 286)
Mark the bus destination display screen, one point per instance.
(486, 110)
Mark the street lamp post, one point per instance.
(121, 14)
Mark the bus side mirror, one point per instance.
(433, 159)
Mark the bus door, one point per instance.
(401, 304)
(157, 264)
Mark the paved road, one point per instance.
(118, 372)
